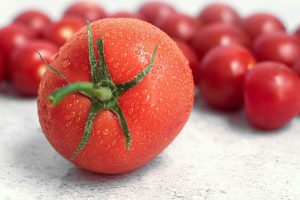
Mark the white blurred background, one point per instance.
(287, 10)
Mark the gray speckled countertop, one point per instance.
(217, 157)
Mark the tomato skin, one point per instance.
(61, 31)
(179, 26)
(88, 11)
(219, 12)
(1, 68)
(36, 20)
(191, 56)
(155, 12)
(217, 34)
(272, 97)
(261, 23)
(12, 37)
(155, 110)
(296, 67)
(222, 74)
(27, 68)
(279, 47)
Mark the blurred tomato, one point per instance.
(261, 23)
(179, 26)
(27, 68)
(191, 56)
(155, 12)
(219, 12)
(88, 11)
(61, 31)
(124, 14)
(1, 68)
(36, 20)
(217, 34)
(277, 46)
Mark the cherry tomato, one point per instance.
(1, 68)
(155, 12)
(180, 26)
(61, 31)
(27, 68)
(217, 34)
(272, 97)
(261, 23)
(218, 12)
(222, 74)
(88, 11)
(12, 37)
(36, 20)
(276, 46)
(124, 14)
(191, 56)
(154, 109)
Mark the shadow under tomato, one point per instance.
(36, 159)
(8, 91)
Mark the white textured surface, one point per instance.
(216, 157)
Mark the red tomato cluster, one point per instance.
(236, 61)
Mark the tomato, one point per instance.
(91, 128)
(179, 26)
(297, 32)
(88, 11)
(222, 74)
(276, 46)
(1, 68)
(219, 12)
(261, 23)
(191, 56)
(12, 37)
(296, 67)
(27, 68)
(124, 14)
(155, 12)
(217, 34)
(272, 97)
(61, 31)
(36, 20)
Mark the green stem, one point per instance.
(104, 94)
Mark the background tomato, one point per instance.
(88, 11)
(276, 46)
(179, 26)
(219, 12)
(124, 14)
(222, 74)
(191, 56)
(155, 12)
(27, 68)
(272, 95)
(217, 34)
(61, 31)
(1, 68)
(36, 20)
(260, 23)
(12, 37)
(155, 109)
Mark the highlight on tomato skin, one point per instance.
(26, 68)
(222, 74)
(35, 20)
(272, 97)
(155, 109)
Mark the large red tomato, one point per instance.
(93, 128)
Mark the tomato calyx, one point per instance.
(102, 91)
